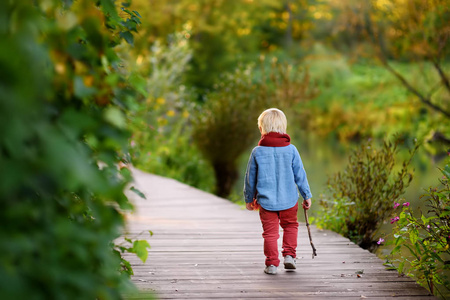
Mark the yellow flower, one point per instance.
(170, 113)
(185, 114)
(160, 101)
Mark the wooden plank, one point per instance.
(205, 247)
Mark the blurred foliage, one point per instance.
(427, 238)
(360, 198)
(361, 100)
(161, 142)
(63, 131)
(223, 33)
(412, 31)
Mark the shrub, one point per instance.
(62, 99)
(360, 198)
(161, 141)
(426, 236)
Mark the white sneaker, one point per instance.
(271, 270)
(289, 262)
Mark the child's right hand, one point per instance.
(249, 206)
(306, 204)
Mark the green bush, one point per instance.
(360, 198)
(62, 101)
(426, 237)
(161, 125)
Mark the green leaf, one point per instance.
(396, 249)
(444, 214)
(115, 117)
(140, 248)
(139, 83)
(138, 192)
(389, 266)
(401, 266)
(109, 8)
(128, 37)
(446, 172)
(126, 173)
(413, 235)
(137, 13)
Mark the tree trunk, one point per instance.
(226, 175)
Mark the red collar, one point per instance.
(275, 139)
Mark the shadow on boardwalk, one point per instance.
(205, 247)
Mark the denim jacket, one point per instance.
(276, 175)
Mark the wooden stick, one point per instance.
(309, 234)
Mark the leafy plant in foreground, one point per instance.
(426, 236)
(62, 100)
(360, 198)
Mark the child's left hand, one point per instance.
(249, 206)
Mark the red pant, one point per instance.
(271, 220)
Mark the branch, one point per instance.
(444, 77)
(383, 58)
(422, 98)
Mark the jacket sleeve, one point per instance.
(300, 176)
(250, 179)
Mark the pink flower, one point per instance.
(133, 143)
(393, 220)
(428, 226)
(381, 240)
(406, 204)
(396, 204)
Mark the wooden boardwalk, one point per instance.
(205, 247)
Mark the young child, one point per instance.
(274, 177)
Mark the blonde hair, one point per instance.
(272, 120)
